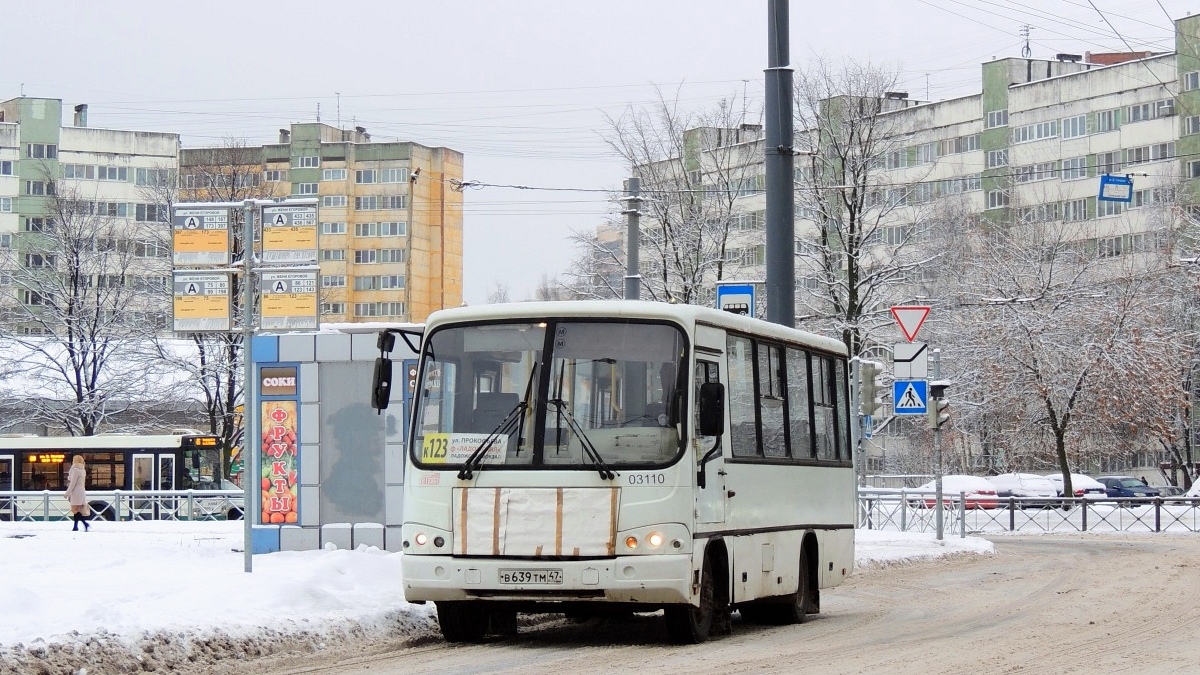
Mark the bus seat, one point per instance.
(490, 410)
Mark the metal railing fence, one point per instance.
(913, 511)
(126, 505)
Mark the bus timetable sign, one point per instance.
(200, 236)
(289, 234)
(289, 299)
(202, 302)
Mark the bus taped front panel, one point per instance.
(536, 522)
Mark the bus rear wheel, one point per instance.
(688, 625)
(462, 621)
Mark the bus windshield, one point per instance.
(546, 394)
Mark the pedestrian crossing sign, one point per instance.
(909, 397)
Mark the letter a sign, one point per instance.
(910, 319)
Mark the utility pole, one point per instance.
(937, 446)
(780, 216)
(633, 234)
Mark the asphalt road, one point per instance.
(1041, 604)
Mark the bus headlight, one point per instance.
(421, 539)
(655, 539)
(631, 543)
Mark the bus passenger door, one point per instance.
(142, 507)
(166, 481)
(6, 485)
(710, 500)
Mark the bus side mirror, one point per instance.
(381, 384)
(712, 409)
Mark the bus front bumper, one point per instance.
(649, 579)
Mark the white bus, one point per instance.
(592, 456)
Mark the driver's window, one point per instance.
(706, 371)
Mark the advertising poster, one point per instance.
(280, 462)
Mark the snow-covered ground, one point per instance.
(176, 594)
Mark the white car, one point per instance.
(1029, 489)
(1083, 486)
(1195, 491)
(980, 494)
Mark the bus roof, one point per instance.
(84, 443)
(687, 315)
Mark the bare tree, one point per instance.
(92, 294)
(695, 169)
(498, 294)
(867, 223)
(230, 172)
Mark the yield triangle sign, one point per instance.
(910, 319)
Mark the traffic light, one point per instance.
(938, 405)
(870, 386)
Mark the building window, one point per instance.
(1073, 127)
(113, 173)
(6, 204)
(1143, 198)
(333, 201)
(1191, 125)
(896, 159)
(1034, 172)
(366, 176)
(79, 171)
(1035, 132)
(369, 203)
(997, 199)
(997, 158)
(367, 257)
(393, 229)
(956, 146)
(308, 162)
(333, 308)
(1074, 210)
(926, 153)
(333, 254)
(748, 222)
(1108, 120)
(366, 229)
(275, 176)
(1105, 207)
(1149, 111)
(996, 118)
(304, 189)
(391, 255)
(333, 281)
(39, 224)
(393, 175)
(41, 150)
(379, 283)
(333, 228)
(34, 298)
(366, 309)
(1108, 162)
(6, 168)
(1074, 168)
(1193, 169)
(333, 174)
(6, 240)
(393, 202)
(150, 213)
(1041, 213)
(152, 177)
(39, 187)
(35, 260)
(150, 249)
(1149, 153)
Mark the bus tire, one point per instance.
(101, 511)
(462, 621)
(689, 625)
(796, 611)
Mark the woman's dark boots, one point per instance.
(78, 518)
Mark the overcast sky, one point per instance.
(521, 87)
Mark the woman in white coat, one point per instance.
(77, 494)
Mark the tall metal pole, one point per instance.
(251, 443)
(937, 446)
(780, 217)
(633, 234)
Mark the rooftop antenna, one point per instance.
(1026, 52)
(318, 111)
(744, 83)
(927, 87)
(339, 109)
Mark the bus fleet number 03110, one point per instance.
(646, 479)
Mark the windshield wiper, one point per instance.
(585, 442)
(513, 420)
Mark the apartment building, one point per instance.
(391, 222)
(105, 182)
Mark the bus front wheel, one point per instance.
(688, 625)
(462, 621)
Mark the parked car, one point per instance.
(980, 494)
(1170, 491)
(1030, 489)
(1081, 485)
(208, 508)
(1195, 491)
(1127, 487)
